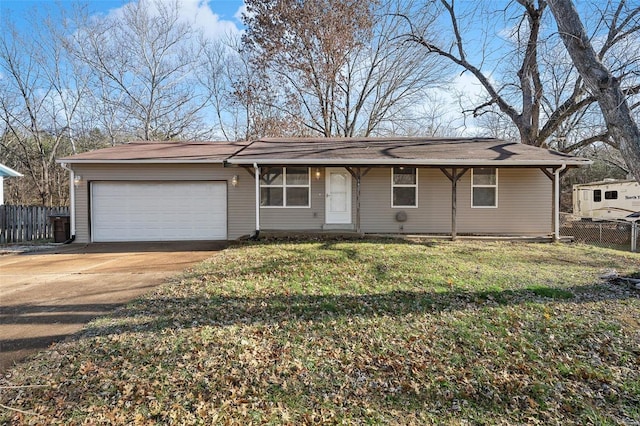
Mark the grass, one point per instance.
(357, 332)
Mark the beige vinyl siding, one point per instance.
(524, 205)
(433, 214)
(240, 200)
(524, 201)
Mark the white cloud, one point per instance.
(200, 14)
(241, 11)
(468, 85)
(463, 93)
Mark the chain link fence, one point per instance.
(618, 234)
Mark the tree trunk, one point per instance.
(602, 84)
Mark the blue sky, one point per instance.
(218, 18)
(226, 10)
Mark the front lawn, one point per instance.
(357, 332)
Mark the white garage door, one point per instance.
(158, 211)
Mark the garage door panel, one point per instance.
(158, 211)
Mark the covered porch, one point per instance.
(477, 163)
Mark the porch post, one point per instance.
(256, 171)
(357, 174)
(454, 177)
(454, 206)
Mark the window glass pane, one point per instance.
(611, 195)
(298, 197)
(484, 197)
(272, 176)
(484, 176)
(404, 196)
(297, 176)
(597, 195)
(271, 196)
(404, 175)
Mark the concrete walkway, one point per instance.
(46, 296)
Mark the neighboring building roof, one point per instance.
(8, 172)
(160, 152)
(406, 151)
(607, 182)
(336, 151)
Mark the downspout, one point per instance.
(358, 197)
(556, 201)
(72, 202)
(256, 171)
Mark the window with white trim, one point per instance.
(404, 187)
(484, 187)
(285, 187)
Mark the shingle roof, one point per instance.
(335, 151)
(409, 151)
(160, 152)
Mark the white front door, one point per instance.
(338, 196)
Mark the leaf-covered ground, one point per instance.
(356, 332)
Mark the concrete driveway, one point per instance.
(47, 296)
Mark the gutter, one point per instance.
(9, 172)
(72, 202)
(407, 162)
(141, 161)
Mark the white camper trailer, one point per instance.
(609, 199)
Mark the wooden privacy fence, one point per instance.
(27, 223)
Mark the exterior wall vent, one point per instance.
(401, 216)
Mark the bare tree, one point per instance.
(602, 84)
(429, 118)
(534, 84)
(216, 79)
(145, 60)
(244, 99)
(341, 64)
(40, 103)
